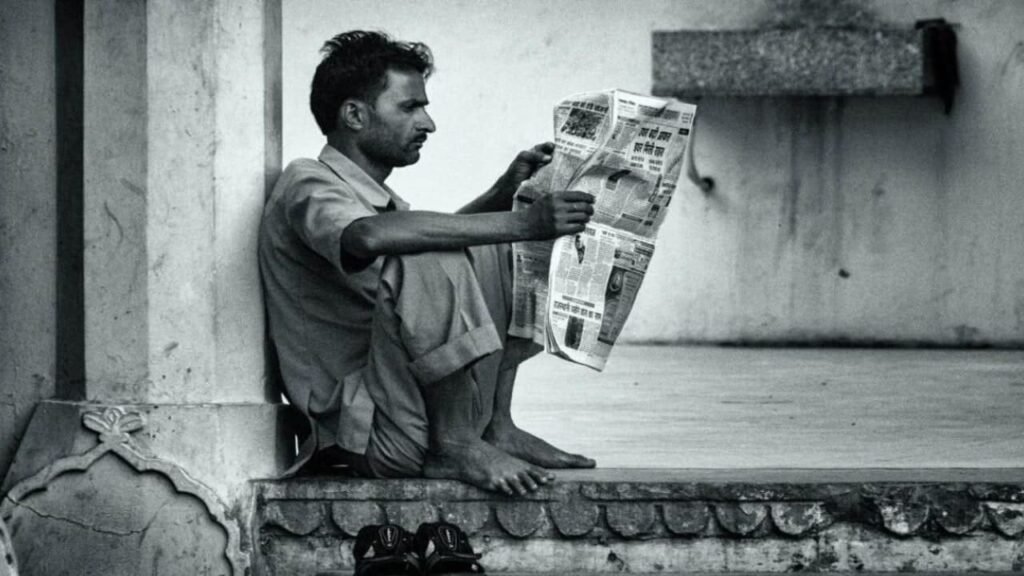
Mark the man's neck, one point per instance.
(346, 146)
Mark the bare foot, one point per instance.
(484, 466)
(522, 444)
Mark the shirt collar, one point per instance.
(376, 194)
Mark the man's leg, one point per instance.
(434, 358)
(456, 448)
(493, 267)
(504, 434)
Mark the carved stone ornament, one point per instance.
(114, 424)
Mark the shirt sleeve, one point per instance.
(319, 208)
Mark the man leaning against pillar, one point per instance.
(391, 324)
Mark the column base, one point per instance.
(141, 488)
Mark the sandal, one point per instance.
(444, 549)
(384, 550)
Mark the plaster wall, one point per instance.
(869, 220)
(28, 219)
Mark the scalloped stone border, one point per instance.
(639, 511)
(114, 425)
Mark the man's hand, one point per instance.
(559, 213)
(526, 164)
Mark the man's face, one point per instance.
(398, 122)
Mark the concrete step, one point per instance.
(670, 521)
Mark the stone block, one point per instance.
(630, 520)
(686, 518)
(798, 518)
(957, 513)
(409, 515)
(574, 518)
(1008, 517)
(741, 518)
(350, 517)
(521, 519)
(299, 518)
(470, 516)
(811, 61)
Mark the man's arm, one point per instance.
(550, 216)
(499, 196)
(485, 220)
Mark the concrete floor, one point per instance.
(697, 407)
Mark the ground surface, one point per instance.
(697, 407)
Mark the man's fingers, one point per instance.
(527, 481)
(547, 148)
(576, 196)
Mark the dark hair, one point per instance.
(355, 65)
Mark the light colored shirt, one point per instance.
(319, 302)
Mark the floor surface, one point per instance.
(707, 407)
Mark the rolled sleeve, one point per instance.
(455, 354)
(319, 209)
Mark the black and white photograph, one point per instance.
(522, 288)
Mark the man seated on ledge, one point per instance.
(391, 325)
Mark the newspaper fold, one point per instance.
(573, 294)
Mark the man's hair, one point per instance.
(355, 65)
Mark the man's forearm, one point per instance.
(497, 199)
(420, 231)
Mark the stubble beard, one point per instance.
(384, 148)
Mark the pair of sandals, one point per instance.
(436, 548)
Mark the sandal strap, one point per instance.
(392, 547)
(445, 548)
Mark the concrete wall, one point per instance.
(28, 216)
(855, 219)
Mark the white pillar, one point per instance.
(181, 136)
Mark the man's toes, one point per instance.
(528, 482)
(500, 485)
(540, 475)
(516, 485)
(580, 461)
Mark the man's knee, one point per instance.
(399, 269)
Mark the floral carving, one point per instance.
(114, 424)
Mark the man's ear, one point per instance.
(353, 114)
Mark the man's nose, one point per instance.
(426, 123)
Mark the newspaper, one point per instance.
(572, 295)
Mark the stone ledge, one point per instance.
(643, 504)
(810, 61)
(611, 520)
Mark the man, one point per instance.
(391, 325)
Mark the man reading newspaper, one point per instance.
(391, 324)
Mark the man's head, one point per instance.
(370, 90)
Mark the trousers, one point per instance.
(436, 313)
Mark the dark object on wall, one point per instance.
(940, 60)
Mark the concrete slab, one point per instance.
(745, 408)
(802, 61)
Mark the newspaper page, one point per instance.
(573, 294)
